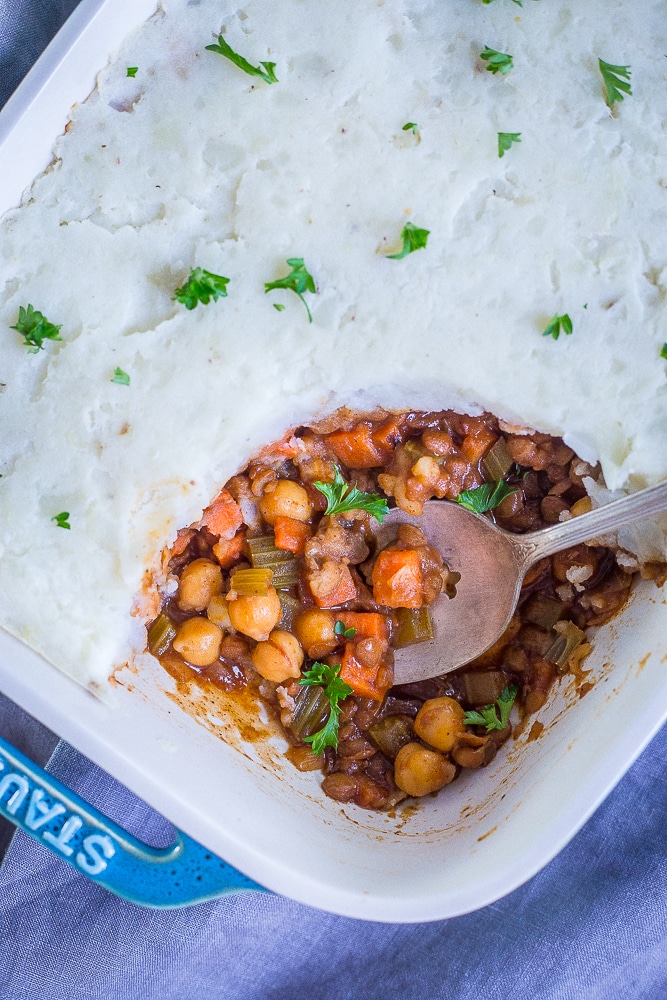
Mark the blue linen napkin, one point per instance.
(591, 926)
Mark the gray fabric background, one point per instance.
(26, 28)
(591, 926)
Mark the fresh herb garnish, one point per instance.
(120, 377)
(342, 497)
(558, 325)
(505, 140)
(616, 80)
(489, 716)
(132, 71)
(201, 286)
(346, 633)
(62, 519)
(663, 352)
(335, 690)
(411, 127)
(35, 328)
(227, 51)
(497, 62)
(299, 281)
(519, 3)
(486, 497)
(279, 307)
(413, 239)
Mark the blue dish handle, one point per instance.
(178, 875)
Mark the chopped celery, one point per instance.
(414, 625)
(286, 575)
(265, 555)
(251, 582)
(291, 606)
(497, 462)
(311, 711)
(543, 611)
(568, 638)
(392, 733)
(161, 634)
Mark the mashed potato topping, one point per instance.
(193, 163)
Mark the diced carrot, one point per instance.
(363, 680)
(285, 448)
(291, 535)
(223, 518)
(356, 448)
(476, 445)
(229, 550)
(332, 584)
(367, 624)
(397, 579)
(182, 541)
(224, 496)
(388, 435)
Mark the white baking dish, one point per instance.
(480, 839)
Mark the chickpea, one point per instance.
(315, 631)
(198, 641)
(200, 581)
(419, 771)
(427, 470)
(218, 611)
(582, 506)
(283, 498)
(440, 722)
(256, 616)
(279, 658)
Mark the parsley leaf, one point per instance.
(413, 239)
(663, 352)
(35, 328)
(335, 690)
(132, 71)
(327, 677)
(505, 140)
(227, 51)
(616, 80)
(120, 377)
(346, 633)
(299, 280)
(497, 62)
(558, 325)
(489, 716)
(342, 497)
(411, 127)
(62, 519)
(486, 497)
(279, 307)
(201, 286)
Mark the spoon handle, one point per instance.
(610, 517)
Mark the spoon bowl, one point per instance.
(492, 564)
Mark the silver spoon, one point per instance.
(492, 564)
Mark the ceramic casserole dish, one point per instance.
(239, 797)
